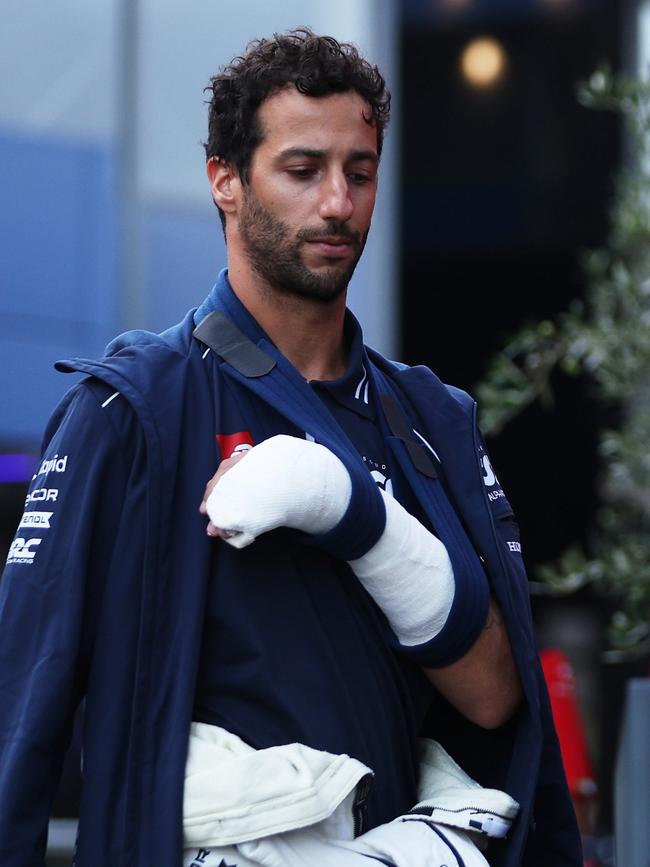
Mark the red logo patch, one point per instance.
(231, 444)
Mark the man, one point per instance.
(321, 625)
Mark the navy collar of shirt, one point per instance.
(350, 390)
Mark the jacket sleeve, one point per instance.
(553, 837)
(49, 594)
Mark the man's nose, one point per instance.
(336, 202)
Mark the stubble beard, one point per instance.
(276, 257)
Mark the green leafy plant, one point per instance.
(606, 337)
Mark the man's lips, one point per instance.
(332, 247)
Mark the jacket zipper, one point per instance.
(360, 805)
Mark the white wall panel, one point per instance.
(58, 67)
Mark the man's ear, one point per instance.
(224, 184)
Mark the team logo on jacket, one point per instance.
(489, 476)
(495, 491)
(235, 443)
(23, 551)
(42, 495)
(53, 465)
(379, 472)
(383, 481)
(35, 519)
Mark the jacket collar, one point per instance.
(351, 389)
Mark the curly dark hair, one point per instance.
(316, 65)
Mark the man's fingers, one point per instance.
(217, 532)
(224, 466)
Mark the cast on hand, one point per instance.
(282, 482)
(289, 482)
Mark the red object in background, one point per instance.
(569, 725)
(560, 680)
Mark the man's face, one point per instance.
(305, 213)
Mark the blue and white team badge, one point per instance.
(379, 472)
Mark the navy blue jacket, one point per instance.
(125, 635)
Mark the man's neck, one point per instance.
(308, 333)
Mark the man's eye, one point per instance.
(359, 177)
(302, 172)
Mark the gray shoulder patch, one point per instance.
(231, 344)
(400, 429)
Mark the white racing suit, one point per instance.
(292, 806)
